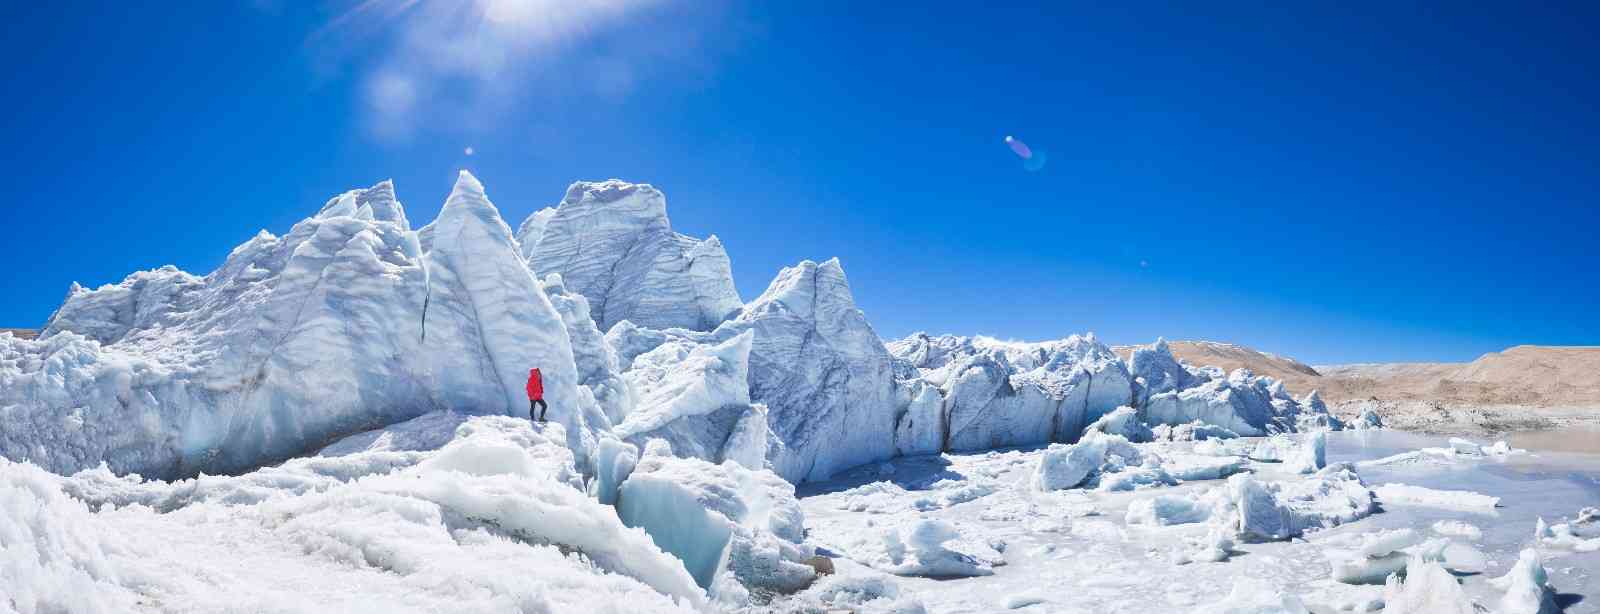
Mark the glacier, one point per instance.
(351, 394)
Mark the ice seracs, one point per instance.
(999, 393)
(826, 380)
(487, 321)
(292, 341)
(612, 243)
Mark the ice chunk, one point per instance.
(1123, 421)
(1526, 586)
(1069, 466)
(1425, 589)
(1310, 455)
(716, 517)
(1581, 535)
(1369, 569)
(1462, 446)
(1273, 449)
(1406, 494)
(1168, 510)
(1368, 419)
(1266, 511)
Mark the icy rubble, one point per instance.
(1112, 463)
(1266, 511)
(449, 512)
(611, 242)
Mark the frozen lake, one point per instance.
(1074, 551)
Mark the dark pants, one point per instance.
(536, 409)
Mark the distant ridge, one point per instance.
(21, 333)
(1530, 375)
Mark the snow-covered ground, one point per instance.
(1085, 551)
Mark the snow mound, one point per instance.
(1250, 596)
(866, 593)
(917, 548)
(453, 526)
(612, 243)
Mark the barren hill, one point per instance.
(1526, 375)
(21, 333)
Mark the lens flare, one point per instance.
(1018, 147)
(1032, 159)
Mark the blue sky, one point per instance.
(1339, 183)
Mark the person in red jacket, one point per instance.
(536, 405)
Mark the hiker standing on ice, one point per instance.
(536, 405)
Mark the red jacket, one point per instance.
(535, 385)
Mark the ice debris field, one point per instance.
(334, 420)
